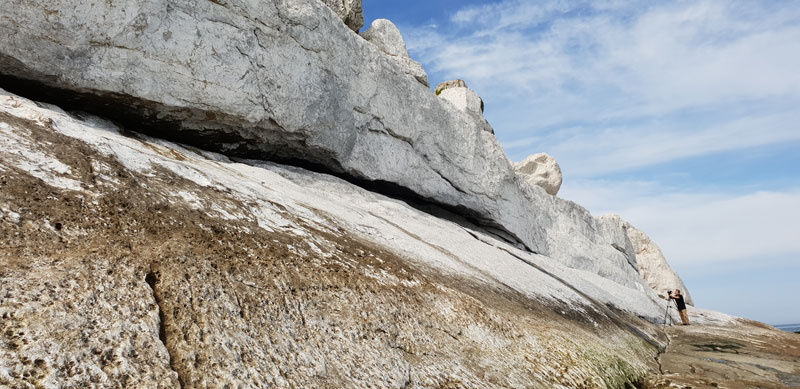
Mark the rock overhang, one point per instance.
(291, 83)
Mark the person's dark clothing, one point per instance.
(679, 302)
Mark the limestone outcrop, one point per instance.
(287, 81)
(350, 11)
(384, 34)
(653, 266)
(542, 170)
(387, 37)
(131, 261)
(458, 94)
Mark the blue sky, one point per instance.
(681, 116)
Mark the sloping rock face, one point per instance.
(542, 170)
(285, 80)
(282, 80)
(385, 35)
(129, 261)
(350, 11)
(652, 264)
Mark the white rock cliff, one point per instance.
(242, 193)
(287, 81)
(652, 264)
(385, 35)
(136, 262)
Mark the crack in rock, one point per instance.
(151, 278)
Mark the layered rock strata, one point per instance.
(542, 170)
(287, 81)
(129, 261)
(282, 81)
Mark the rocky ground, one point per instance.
(145, 241)
(133, 262)
(742, 354)
(118, 275)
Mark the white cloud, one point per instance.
(700, 228)
(561, 76)
(590, 153)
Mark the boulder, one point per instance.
(288, 82)
(652, 264)
(350, 11)
(463, 98)
(385, 35)
(542, 170)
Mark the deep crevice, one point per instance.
(218, 132)
(151, 278)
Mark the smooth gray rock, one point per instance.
(161, 266)
(350, 11)
(542, 170)
(652, 264)
(385, 35)
(286, 80)
(580, 241)
(273, 80)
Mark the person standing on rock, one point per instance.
(681, 306)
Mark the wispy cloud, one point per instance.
(610, 149)
(561, 76)
(695, 229)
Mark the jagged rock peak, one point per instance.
(387, 37)
(653, 266)
(350, 11)
(458, 94)
(542, 170)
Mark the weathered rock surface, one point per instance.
(350, 11)
(740, 354)
(459, 83)
(287, 81)
(385, 35)
(652, 264)
(136, 262)
(542, 170)
(281, 80)
(463, 98)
